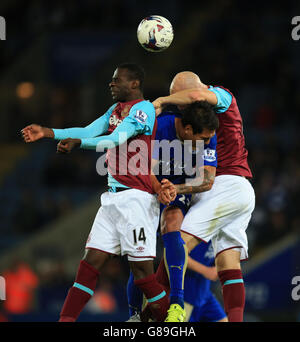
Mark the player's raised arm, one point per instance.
(139, 121)
(36, 132)
(122, 133)
(184, 98)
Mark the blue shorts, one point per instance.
(181, 201)
(210, 311)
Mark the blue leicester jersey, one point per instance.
(196, 286)
(172, 165)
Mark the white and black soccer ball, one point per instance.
(155, 33)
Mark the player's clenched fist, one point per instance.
(167, 193)
(35, 132)
(167, 185)
(67, 145)
(158, 105)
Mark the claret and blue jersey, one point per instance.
(224, 99)
(122, 121)
(232, 153)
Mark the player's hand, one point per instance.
(67, 145)
(33, 133)
(167, 193)
(164, 197)
(158, 105)
(167, 185)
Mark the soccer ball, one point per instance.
(155, 33)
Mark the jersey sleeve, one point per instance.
(142, 116)
(140, 120)
(97, 127)
(223, 97)
(123, 132)
(210, 152)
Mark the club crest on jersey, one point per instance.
(141, 116)
(209, 155)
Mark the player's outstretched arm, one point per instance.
(35, 132)
(184, 98)
(94, 129)
(122, 133)
(99, 126)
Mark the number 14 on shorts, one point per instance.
(139, 235)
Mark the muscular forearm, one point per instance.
(189, 189)
(206, 184)
(181, 98)
(188, 96)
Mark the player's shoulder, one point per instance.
(143, 112)
(166, 125)
(213, 141)
(166, 120)
(144, 105)
(112, 107)
(224, 98)
(165, 116)
(168, 117)
(219, 87)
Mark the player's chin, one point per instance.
(115, 97)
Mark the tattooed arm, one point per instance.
(209, 173)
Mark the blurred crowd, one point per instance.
(252, 55)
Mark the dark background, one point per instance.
(55, 66)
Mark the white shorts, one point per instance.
(222, 214)
(126, 223)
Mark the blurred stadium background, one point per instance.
(55, 66)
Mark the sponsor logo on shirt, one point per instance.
(114, 121)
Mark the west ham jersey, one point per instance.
(130, 163)
(232, 154)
